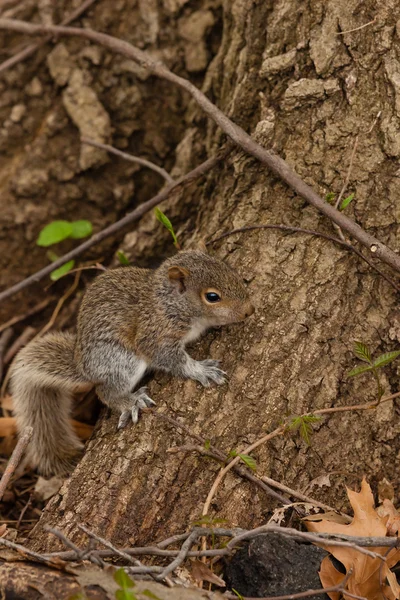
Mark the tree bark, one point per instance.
(289, 75)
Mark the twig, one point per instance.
(233, 462)
(15, 458)
(23, 511)
(118, 552)
(309, 537)
(130, 157)
(32, 48)
(299, 495)
(280, 431)
(21, 341)
(29, 313)
(129, 218)
(59, 306)
(187, 544)
(215, 453)
(308, 232)
(356, 28)
(55, 561)
(276, 164)
(237, 468)
(4, 339)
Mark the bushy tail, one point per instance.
(43, 380)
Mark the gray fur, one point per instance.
(130, 320)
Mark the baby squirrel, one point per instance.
(130, 320)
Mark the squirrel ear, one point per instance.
(177, 276)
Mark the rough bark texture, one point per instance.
(281, 71)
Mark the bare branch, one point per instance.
(325, 236)
(15, 458)
(129, 157)
(276, 164)
(32, 48)
(129, 218)
(4, 339)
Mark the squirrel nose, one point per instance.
(249, 310)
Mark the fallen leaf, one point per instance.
(388, 510)
(367, 572)
(200, 572)
(385, 490)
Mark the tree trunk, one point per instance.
(288, 74)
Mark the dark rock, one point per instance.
(271, 565)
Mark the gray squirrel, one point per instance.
(130, 320)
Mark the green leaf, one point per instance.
(81, 229)
(346, 202)
(330, 197)
(54, 232)
(125, 594)
(385, 359)
(150, 594)
(362, 352)
(249, 461)
(233, 453)
(207, 444)
(304, 425)
(61, 271)
(122, 578)
(123, 259)
(237, 594)
(166, 222)
(359, 370)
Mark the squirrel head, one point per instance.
(205, 288)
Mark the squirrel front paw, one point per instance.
(209, 372)
(139, 400)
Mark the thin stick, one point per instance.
(4, 339)
(215, 453)
(59, 306)
(276, 164)
(21, 341)
(129, 157)
(15, 458)
(280, 431)
(29, 313)
(308, 232)
(232, 463)
(309, 537)
(356, 28)
(32, 48)
(129, 218)
(118, 552)
(55, 562)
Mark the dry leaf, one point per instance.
(388, 510)
(330, 515)
(366, 571)
(3, 530)
(200, 572)
(385, 490)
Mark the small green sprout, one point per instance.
(168, 225)
(303, 424)
(372, 365)
(249, 461)
(125, 583)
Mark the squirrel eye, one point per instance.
(212, 297)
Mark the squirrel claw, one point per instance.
(211, 373)
(140, 400)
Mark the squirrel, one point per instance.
(131, 320)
